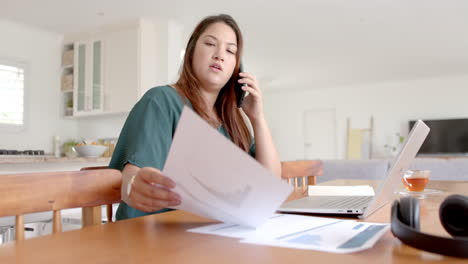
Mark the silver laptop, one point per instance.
(363, 206)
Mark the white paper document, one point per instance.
(218, 180)
(356, 190)
(277, 225)
(304, 232)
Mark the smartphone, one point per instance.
(240, 94)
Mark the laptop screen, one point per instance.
(402, 161)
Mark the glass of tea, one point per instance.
(416, 180)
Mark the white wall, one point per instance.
(97, 127)
(177, 42)
(392, 104)
(41, 50)
(170, 41)
(147, 55)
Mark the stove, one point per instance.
(13, 152)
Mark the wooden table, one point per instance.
(162, 239)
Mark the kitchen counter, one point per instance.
(49, 159)
(26, 164)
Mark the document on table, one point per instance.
(304, 232)
(218, 180)
(356, 190)
(277, 225)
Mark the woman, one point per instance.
(206, 84)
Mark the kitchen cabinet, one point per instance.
(121, 67)
(88, 91)
(113, 67)
(82, 82)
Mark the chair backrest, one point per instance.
(53, 191)
(306, 170)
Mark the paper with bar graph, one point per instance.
(304, 232)
(342, 236)
(218, 180)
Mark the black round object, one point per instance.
(453, 214)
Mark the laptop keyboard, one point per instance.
(344, 202)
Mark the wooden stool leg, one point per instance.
(109, 213)
(312, 180)
(91, 216)
(19, 232)
(57, 222)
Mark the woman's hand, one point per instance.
(151, 191)
(253, 103)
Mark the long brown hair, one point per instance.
(225, 105)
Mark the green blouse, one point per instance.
(146, 136)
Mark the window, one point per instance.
(11, 95)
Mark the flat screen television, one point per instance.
(447, 137)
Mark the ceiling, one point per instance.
(298, 43)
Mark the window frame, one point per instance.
(18, 63)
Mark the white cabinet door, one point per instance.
(88, 95)
(121, 68)
(79, 89)
(96, 97)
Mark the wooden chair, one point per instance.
(307, 170)
(53, 191)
